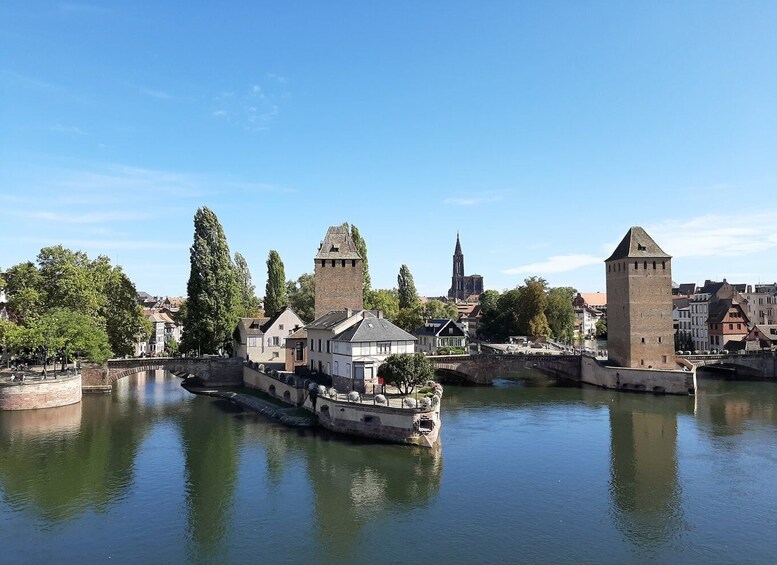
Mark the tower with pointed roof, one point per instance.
(640, 332)
(338, 273)
(463, 286)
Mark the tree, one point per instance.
(275, 289)
(601, 329)
(405, 371)
(68, 280)
(408, 296)
(247, 303)
(488, 327)
(410, 319)
(560, 313)
(23, 287)
(361, 247)
(9, 337)
(385, 300)
(210, 311)
(301, 295)
(439, 309)
(123, 316)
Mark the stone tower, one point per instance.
(640, 332)
(338, 273)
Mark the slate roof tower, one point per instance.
(338, 273)
(640, 332)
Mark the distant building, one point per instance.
(595, 300)
(350, 345)
(164, 329)
(263, 340)
(338, 272)
(439, 333)
(762, 337)
(463, 286)
(586, 319)
(727, 323)
(701, 304)
(640, 333)
(762, 304)
(681, 317)
(296, 350)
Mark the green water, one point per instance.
(525, 473)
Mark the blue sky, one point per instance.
(541, 131)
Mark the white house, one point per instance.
(163, 330)
(350, 345)
(438, 333)
(263, 340)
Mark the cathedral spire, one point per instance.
(458, 245)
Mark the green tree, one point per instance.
(385, 300)
(531, 308)
(560, 313)
(410, 319)
(275, 289)
(601, 329)
(210, 311)
(172, 348)
(440, 309)
(301, 295)
(68, 280)
(123, 316)
(405, 371)
(247, 302)
(408, 296)
(361, 247)
(9, 340)
(24, 291)
(488, 327)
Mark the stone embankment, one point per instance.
(34, 392)
(283, 415)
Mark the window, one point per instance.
(645, 265)
(353, 262)
(319, 346)
(337, 369)
(663, 265)
(328, 346)
(280, 326)
(731, 326)
(343, 262)
(276, 341)
(654, 265)
(384, 348)
(333, 262)
(659, 340)
(643, 340)
(348, 370)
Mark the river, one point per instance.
(528, 472)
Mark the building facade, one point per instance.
(263, 340)
(640, 332)
(350, 346)
(463, 286)
(441, 333)
(338, 272)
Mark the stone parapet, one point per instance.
(35, 394)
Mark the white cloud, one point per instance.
(556, 264)
(220, 114)
(718, 235)
(60, 128)
(160, 94)
(475, 198)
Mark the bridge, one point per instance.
(754, 365)
(215, 371)
(481, 369)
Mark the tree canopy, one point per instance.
(408, 296)
(361, 247)
(301, 295)
(405, 371)
(210, 315)
(247, 303)
(275, 289)
(386, 300)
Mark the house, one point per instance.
(164, 329)
(700, 305)
(727, 323)
(263, 340)
(350, 345)
(681, 317)
(470, 321)
(595, 300)
(296, 350)
(586, 319)
(762, 304)
(762, 337)
(440, 333)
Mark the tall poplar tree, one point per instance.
(247, 303)
(210, 309)
(361, 247)
(408, 296)
(275, 289)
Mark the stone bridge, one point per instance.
(756, 365)
(214, 371)
(481, 369)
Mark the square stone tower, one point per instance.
(640, 332)
(338, 272)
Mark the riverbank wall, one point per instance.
(637, 380)
(32, 394)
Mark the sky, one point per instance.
(540, 131)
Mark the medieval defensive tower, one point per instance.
(639, 304)
(338, 273)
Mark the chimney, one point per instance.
(380, 313)
(348, 312)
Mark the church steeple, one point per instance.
(458, 246)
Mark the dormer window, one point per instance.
(641, 247)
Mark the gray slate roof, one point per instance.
(329, 320)
(371, 328)
(637, 244)
(437, 326)
(337, 244)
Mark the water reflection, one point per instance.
(60, 462)
(644, 482)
